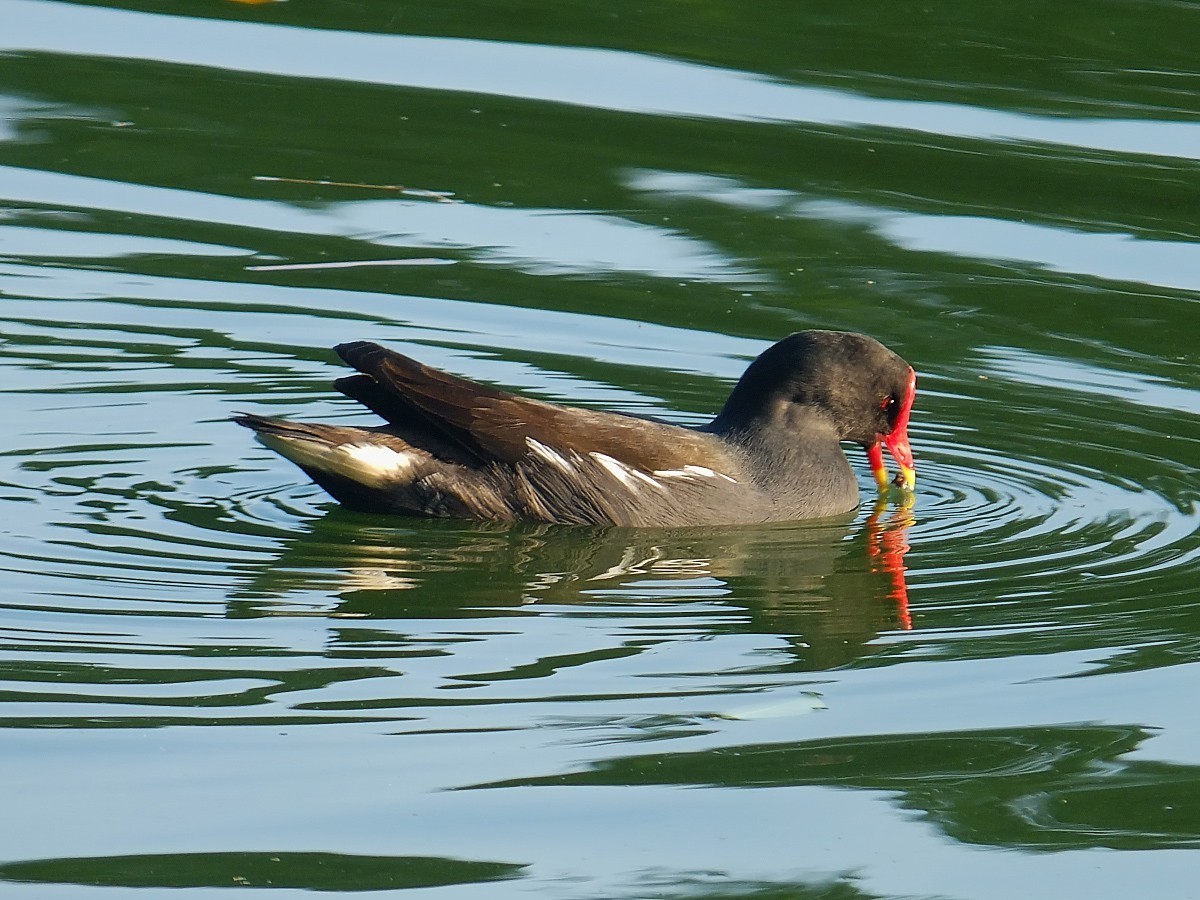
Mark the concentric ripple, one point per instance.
(1043, 524)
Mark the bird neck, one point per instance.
(797, 459)
(775, 422)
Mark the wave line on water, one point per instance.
(353, 264)
(575, 242)
(579, 76)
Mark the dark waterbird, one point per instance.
(455, 448)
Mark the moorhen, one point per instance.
(456, 448)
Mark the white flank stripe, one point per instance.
(624, 472)
(642, 476)
(549, 455)
(706, 472)
(617, 469)
(691, 471)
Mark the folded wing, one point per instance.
(459, 419)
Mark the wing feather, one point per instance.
(497, 426)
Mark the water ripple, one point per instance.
(1047, 525)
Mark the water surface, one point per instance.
(211, 676)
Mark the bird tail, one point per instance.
(363, 468)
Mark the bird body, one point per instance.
(455, 448)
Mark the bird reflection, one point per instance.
(887, 542)
(829, 587)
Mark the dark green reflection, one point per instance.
(717, 888)
(1050, 788)
(306, 871)
(1079, 53)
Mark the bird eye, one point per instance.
(887, 404)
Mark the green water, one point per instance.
(211, 677)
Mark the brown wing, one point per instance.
(495, 425)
